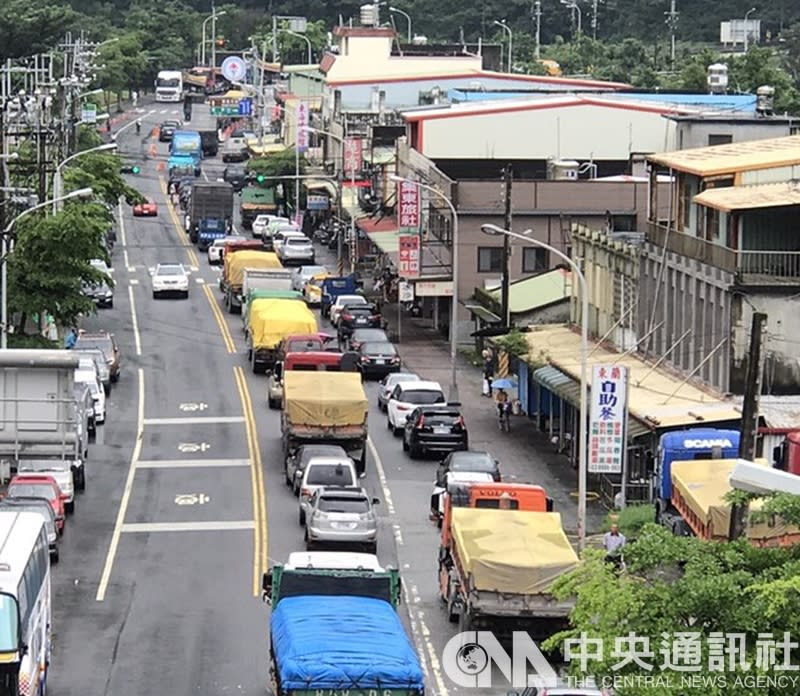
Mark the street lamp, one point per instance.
(454, 262)
(408, 19)
(494, 230)
(573, 5)
(510, 40)
(78, 193)
(746, 32)
(306, 39)
(57, 180)
(204, 41)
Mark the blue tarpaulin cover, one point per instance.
(342, 643)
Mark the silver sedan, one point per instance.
(342, 516)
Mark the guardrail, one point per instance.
(768, 265)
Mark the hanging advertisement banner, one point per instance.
(408, 256)
(353, 156)
(608, 418)
(301, 124)
(408, 200)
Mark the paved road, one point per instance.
(185, 505)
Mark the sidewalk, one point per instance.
(524, 454)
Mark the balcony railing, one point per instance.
(692, 247)
(751, 267)
(769, 266)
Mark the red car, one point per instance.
(148, 209)
(40, 486)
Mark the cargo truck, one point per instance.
(698, 494)
(335, 631)
(496, 568)
(254, 295)
(325, 408)
(44, 426)
(264, 279)
(269, 322)
(257, 201)
(696, 444)
(187, 143)
(307, 361)
(210, 212)
(233, 268)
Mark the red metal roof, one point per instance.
(364, 31)
(488, 75)
(371, 225)
(326, 63)
(497, 107)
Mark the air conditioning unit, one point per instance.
(562, 170)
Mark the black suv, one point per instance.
(473, 462)
(435, 429)
(358, 316)
(167, 129)
(236, 176)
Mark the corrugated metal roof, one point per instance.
(558, 383)
(656, 397)
(779, 412)
(537, 291)
(750, 197)
(733, 157)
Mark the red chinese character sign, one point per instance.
(301, 124)
(353, 156)
(608, 418)
(408, 256)
(408, 206)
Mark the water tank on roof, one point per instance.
(419, 40)
(765, 97)
(717, 78)
(562, 170)
(369, 15)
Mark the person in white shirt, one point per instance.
(613, 542)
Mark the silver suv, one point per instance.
(343, 516)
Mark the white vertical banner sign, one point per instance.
(301, 115)
(608, 419)
(353, 156)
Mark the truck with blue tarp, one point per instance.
(188, 144)
(337, 632)
(686, 446)
(210, 212)
(180, 167)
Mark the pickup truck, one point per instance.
(335, 631)
(325, 408)
(269, 322)
(496, 567)
(234, 265)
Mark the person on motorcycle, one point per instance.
(138, 125)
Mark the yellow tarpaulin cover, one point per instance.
(236, 262)
(512, 551)
(703, 484)
(273, 320)
(324, 398)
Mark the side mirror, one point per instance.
(549, 505)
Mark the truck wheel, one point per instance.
(301, 518)
(452, 612)
(69, 508)
(414, 452)
(271, 403)
(80, 483)
(464, 621)
(405, 445)
(54, 556)
(389, 425)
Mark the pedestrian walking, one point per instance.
(71, 338)
(488, 371)
(134, 98)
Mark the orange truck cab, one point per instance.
(489, 495)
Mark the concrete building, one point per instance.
(708, 129)
(726, 248)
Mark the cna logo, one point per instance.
(468, 658)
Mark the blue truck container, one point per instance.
(333, 287)
(188, 144)
(682, 446)
(351, 645)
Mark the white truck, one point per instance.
(43, 427)
(256, 279)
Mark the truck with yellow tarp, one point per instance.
(699, 488)
(269, 321)
(233, 270)
(325, 408)
(496, 568)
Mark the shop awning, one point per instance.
(320, 185)
(482, 313)
(371, 225)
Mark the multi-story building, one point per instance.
(726, 247)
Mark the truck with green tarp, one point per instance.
(336, 632)
(257, 201)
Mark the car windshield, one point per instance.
(441, 417)
(375, 335)
(309, 271)
(472, 461)
(380, 349)
(329, 475)
(43, 509)
(46, 465)
(398, 377)
(343, 504)
(103, 344)
(321, 451)
(421, 396)
(297, 241)
(32, 490)
(169, 271)
(350, 300)
(361, 311)
(303, 346)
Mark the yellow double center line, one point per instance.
(182, 237)
(217, 312)
(261, 534)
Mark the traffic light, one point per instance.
(135, 170)
(131, 169)
(261, 178)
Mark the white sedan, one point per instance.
(262, 222)
(217, 249)
(405, 397)
(170, 278)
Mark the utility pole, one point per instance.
(537, 14)
(672, 23)
(750, 408)
(595, 4)
(504, 287)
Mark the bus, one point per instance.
(25, 604)
(169, 86)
